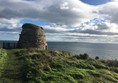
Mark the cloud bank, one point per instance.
(66, 20)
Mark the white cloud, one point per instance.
(110, 9)
(64, 6)
(67, 16)
(9, 27)
(58, 11)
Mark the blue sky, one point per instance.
(62, 20)
(37, 22)
(95, 2)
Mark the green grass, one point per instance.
(3, 59)
(35, 66)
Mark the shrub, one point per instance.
(84, 56)
(110, 63)
(96, 57)
(81, 56)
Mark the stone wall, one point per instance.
(32, 36)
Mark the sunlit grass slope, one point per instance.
(35, 66)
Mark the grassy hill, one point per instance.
(35, 66)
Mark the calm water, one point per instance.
(105, 51)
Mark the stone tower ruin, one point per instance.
(32, 36)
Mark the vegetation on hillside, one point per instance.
(35, 66)
(3, 59)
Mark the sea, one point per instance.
(102, 50)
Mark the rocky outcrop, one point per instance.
(32, 36)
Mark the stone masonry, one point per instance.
(32, 36)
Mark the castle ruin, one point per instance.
(32, 36)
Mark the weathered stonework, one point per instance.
(32, 36)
